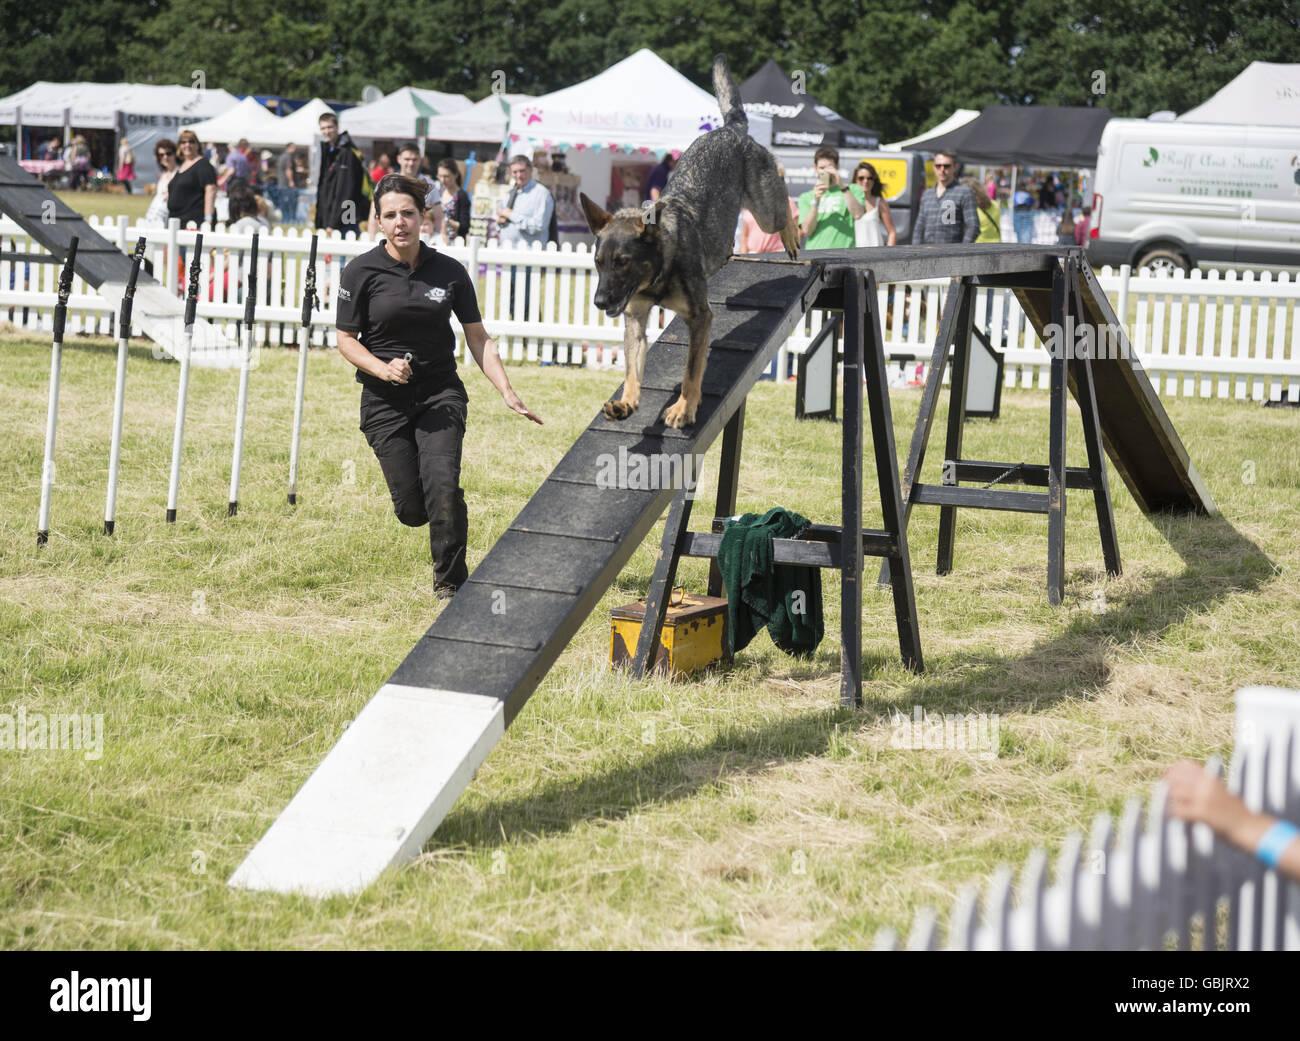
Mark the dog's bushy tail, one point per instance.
(724, 88)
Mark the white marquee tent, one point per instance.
(1265, 93)
(143, 112)
(248, 119)
(642, 105)
(486, 120)
(45, 104)
(397, 116)
(630, 114)
(303, 127)
(95, 106)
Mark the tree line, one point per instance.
(897, 67)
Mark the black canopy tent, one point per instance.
(1052, 137)
(798, 119)
(1045, 136)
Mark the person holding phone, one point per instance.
(827, 212)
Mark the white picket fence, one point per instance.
(1129, 887)
(1207, 335)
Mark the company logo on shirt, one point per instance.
(437, 294)
(344, 294)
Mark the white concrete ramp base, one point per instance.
(380, 793)
(162, 317)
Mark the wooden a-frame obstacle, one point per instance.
(397, 770)
(821, 545)
(1092, 358)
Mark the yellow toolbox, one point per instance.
(694, 634)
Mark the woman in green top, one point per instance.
(990, 212)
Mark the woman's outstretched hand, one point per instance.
(514, 403)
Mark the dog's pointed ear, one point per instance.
(597, 219)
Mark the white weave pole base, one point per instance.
(378, 796)
(161, 316)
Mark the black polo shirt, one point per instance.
(185, 192)
(393, 309)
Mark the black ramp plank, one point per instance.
(467, 667)
(586, 511)
(25, 199)
(578, 534)
(652, 403)
(37, 202)
(395, 773)
(736, 285)
(903, 263)
(1139, 436)
(1168, 477)
(501, 616)
(765, 330)
(723, 369)
(731, 327)
(598, 460)
(533, 561)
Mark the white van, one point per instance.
(1173, 195)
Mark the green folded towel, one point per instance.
(788, 599)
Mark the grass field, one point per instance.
(744, 808)
(108, 204)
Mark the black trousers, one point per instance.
(416, 434)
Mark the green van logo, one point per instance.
(1152, 158)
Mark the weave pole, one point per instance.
(119, 390)
(187, 347)
(245, 363)
(304, 344)
(52, 411)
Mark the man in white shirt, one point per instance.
(525, 219)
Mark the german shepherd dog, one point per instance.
(666, 256)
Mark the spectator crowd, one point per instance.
(237, 182)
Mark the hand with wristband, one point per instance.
(1195, 795)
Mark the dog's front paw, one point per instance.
(618, 409)
(679, 414)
